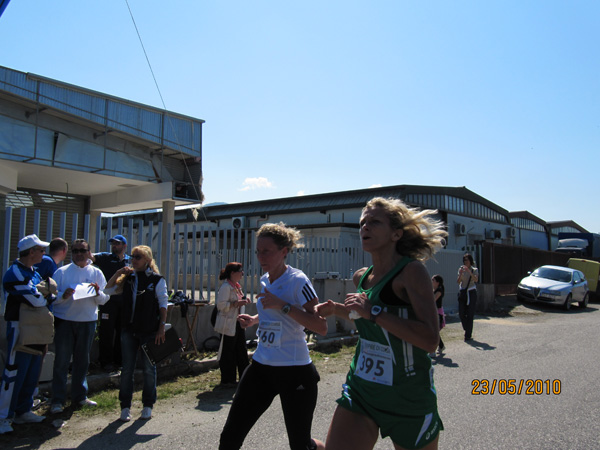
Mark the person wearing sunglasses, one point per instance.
(233, 353)
(75, 321)
(145, 301)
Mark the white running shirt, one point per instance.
(282, 340)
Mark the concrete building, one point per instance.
(67, 148)
(471, 218)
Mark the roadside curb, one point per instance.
(170, 368)
(99, 382)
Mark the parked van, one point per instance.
(585, 245)
(591, 270)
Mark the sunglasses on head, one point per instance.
(79, 250)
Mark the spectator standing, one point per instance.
(438, 294)
(57, 253)
(468, 276)
(233, 353)
(21, 370)
(75, 326)
(109, 332)
(145, 302)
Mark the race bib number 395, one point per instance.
(375, 362)
(269, 334)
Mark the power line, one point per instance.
(164, 106)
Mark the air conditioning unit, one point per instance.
(511, 232)
(238, 222)
(493, 234)
(327, 275)
(460, 229)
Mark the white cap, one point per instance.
(31, 241)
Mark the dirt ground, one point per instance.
(74, 426)
(77, 426)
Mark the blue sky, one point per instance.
(310, 97)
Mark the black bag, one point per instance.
(462, 293)
(213, 316)
(156, 353)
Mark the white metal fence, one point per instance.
(196, 254)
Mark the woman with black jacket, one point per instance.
(144, 315)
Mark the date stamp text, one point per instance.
(515, 387)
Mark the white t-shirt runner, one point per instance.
(282, 340)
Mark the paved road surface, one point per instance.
(546, 345)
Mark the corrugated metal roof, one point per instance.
(337, 200)
(566, 223)
(527, 215)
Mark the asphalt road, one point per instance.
(541, 344)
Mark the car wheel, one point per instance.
(567, 303)
(584, 302)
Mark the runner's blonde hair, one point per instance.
(422, 235)
(282, 235)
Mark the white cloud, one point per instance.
(256, 183)
(375, 186)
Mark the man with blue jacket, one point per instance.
(22, 370)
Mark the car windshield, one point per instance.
(552, 274)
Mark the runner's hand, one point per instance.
(359, 303)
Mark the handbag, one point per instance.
(156, 353)
(225, 322)
(462, 293)
(36, 329)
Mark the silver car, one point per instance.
(555, 284)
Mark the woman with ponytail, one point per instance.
(233, 353)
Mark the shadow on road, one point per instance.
(214, 400)
(444, 360)
(480, 345)
(126, 439)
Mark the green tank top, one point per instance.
(386, 370)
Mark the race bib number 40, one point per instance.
(375, 363)
(269, 334)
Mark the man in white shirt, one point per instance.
(75, 317)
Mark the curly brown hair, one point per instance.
(282, 235)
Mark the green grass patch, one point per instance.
(108, 400)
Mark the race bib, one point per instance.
(269, 334)
(375, 362)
